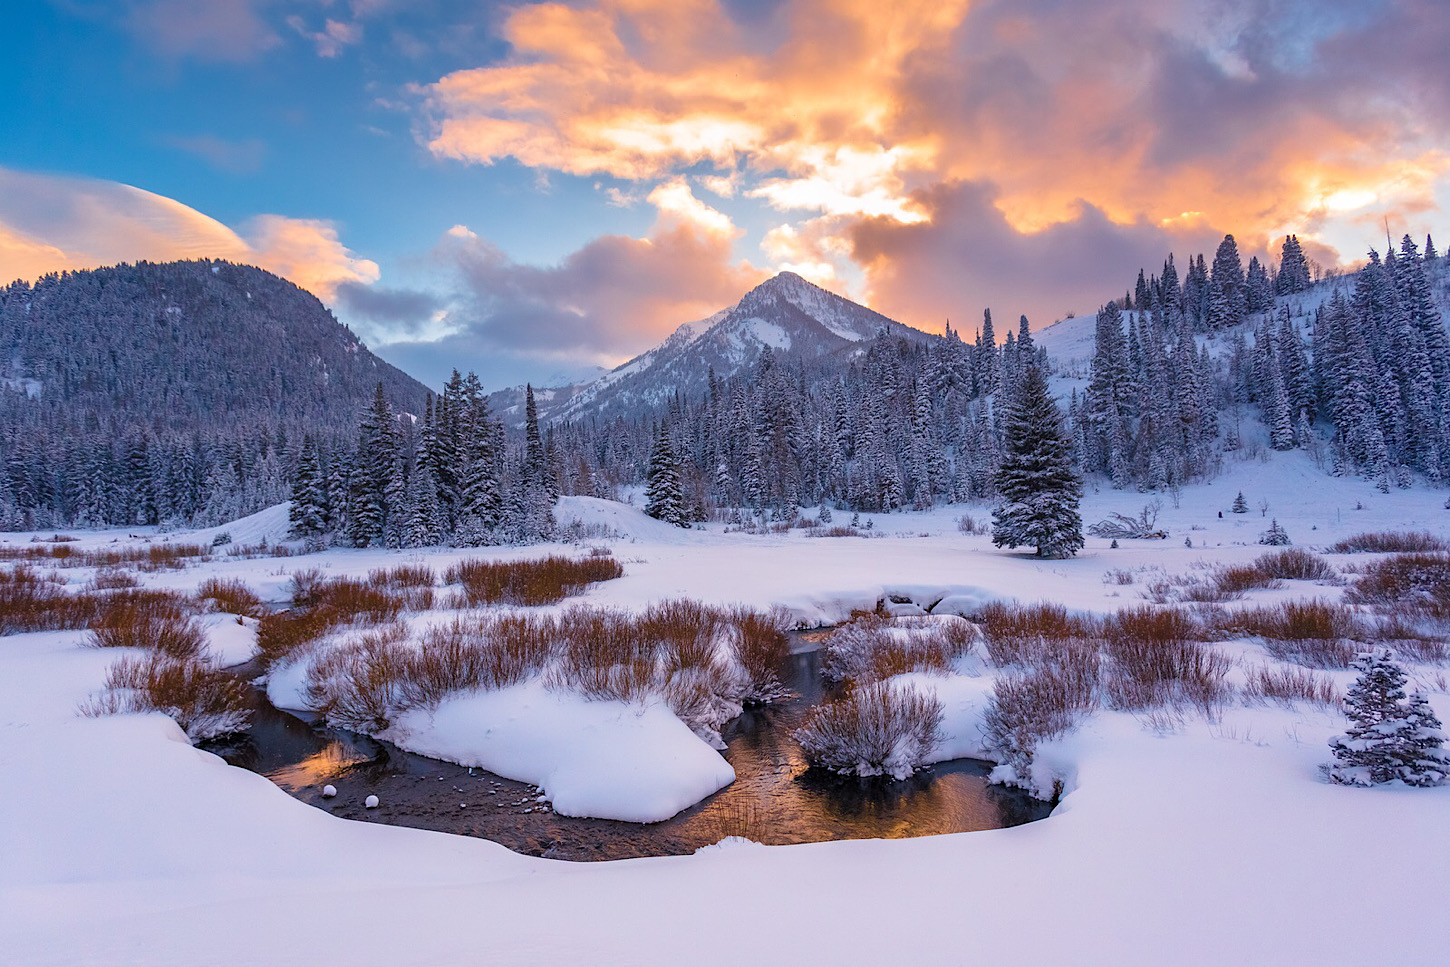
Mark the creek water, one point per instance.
(776, 797)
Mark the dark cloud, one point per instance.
(392, 310)
(967, 258)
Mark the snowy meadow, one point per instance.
(1175, 696)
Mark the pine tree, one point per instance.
(1038, 486)
(1241, 506)
(665, 496)
(308, 514)
(1389, 737)
(1227, 302)
(424, 525)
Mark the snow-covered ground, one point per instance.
(1183, 842)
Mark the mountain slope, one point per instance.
(796, 320)
(182, 347)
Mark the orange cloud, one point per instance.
(52, 223)
(1259, 118)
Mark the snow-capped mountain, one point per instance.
(796, 320)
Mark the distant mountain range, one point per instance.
(799, 322)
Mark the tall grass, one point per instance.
(543, 581)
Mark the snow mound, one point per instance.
(601, 759)
(270, 524)
(609, 518)
(231, 639)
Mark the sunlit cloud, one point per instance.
(52, 223)
(1097, 119)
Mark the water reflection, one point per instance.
(776, 798)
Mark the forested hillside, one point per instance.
(152, 392)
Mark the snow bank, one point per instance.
(964, 702)
(231, 639)
(604, 759)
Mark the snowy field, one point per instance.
(1178, 840)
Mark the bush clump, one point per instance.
(230, 597)
(875, 730)
(161, 621)
(205, 702)
(1319, 634)
(1390, 542)
(543, 581)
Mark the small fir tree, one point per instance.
(1390, 737)
(1241, 505)
(1038, 485)
(1275, 536)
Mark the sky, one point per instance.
(532, 190)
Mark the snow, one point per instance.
(231, 639)
(371, 802)
(604, 759)
(1178, 840)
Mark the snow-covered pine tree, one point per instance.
(1293, 268)
(1241, 505)
(1227, 303)
(665, 497)
(1038, 486)
(1389, 737)
(308, 514)
(423, 525)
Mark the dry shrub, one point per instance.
(1049, 701)
(683, 630)
(1389, 542)
(1020, 634)
(1295, 564)
(1119, 576)
(114, 579)
(30, 601)
(1287, 685)
(150, 557)
(837, 530)
(205, 702)
(874, 730)
(912, 653)
(1418, 582)
(1156, 660)
(358, 683)
(283, 634)
(403, 576)
(1233, 581)
(230, 597)
(161, 621)
(602, 656)
(479, 653)
(543, 581)
(1418, 641)
(846, 652)
(1320, 634)
(762, 648)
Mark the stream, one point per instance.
(775, 798)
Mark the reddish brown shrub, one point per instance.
(543, 581)
(1389, 542)
(1289, 685)
(230, 597)
(205, 702)
(161, 621)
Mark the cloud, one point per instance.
(612, 298)
(968, 256)
(308, 252)
(235, 157)
(387, 315)
(1260, 116)
(50, 223)
(332, 39)
(217, 30)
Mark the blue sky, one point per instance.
(535, 189)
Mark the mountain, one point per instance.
(175, 392)
(797, 321)
(185, 347)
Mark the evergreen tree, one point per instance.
(1227, 302)
(664, 494)
(1241, 506)
(308, 514)
(1389, 737)
(1038, 486)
